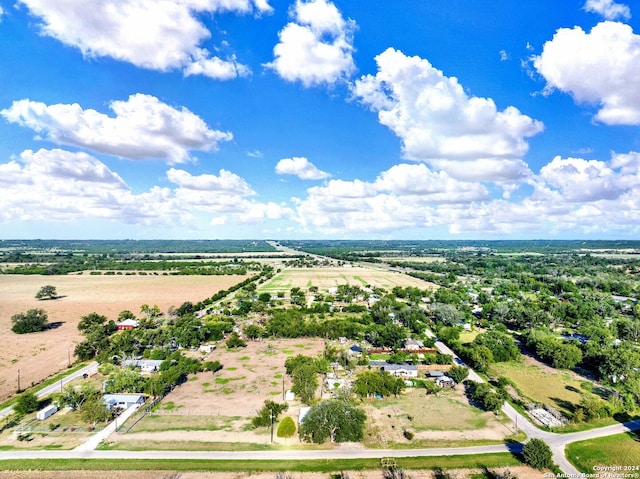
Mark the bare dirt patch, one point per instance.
(39, 355)
(218, 407)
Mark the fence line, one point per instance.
(185, 412)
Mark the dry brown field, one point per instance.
(39, 355)
(325, 278)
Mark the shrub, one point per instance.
(287, 428)
(537, 454)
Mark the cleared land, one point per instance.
(447, 417)
(39, 355)
(325, 278)
(217, 408)
(213, 411)
(546, 386)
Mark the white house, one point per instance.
(402, 370)
(122, 401)
(145, 365)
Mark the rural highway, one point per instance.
(89, 369)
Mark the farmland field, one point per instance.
(325, 278)
(38, 355)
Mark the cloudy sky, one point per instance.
(404, 119)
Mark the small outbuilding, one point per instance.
(47, 412)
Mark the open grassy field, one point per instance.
(619, 450)
(38, 355)
(325, 278)
(547, 386)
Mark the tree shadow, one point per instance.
(572, 389)
(566, 406)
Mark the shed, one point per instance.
(48, 411)
(436, 374)
(445, 382)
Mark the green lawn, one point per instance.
(162, 422)
(620, 450)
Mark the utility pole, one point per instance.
(18, 380)
(271, 417)
(68, 357)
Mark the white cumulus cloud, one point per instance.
(439, 123)
(316, 47)
(609, 9)
(300, 167)
(159, 35)
(599, 67)
(143, 127)
(58, 185)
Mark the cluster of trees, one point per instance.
(304, 372)
(488, 348)
(377, 383)
(488, 397)
(33, 321)
(553, 350)
(336, 420)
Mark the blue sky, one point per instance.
(226, 119)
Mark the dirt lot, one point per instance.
(38, 355)
(442, 418)
(218, 407)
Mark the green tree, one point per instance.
(26, 403)
(234, 341)
(335, 420)
(458, 373)
(32, 321)
(305, 383)
(93, 410)
(47, 292)
(269, 413)
(286, 428)
(537, 454)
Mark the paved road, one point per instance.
(89, 369)
(339, 453)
